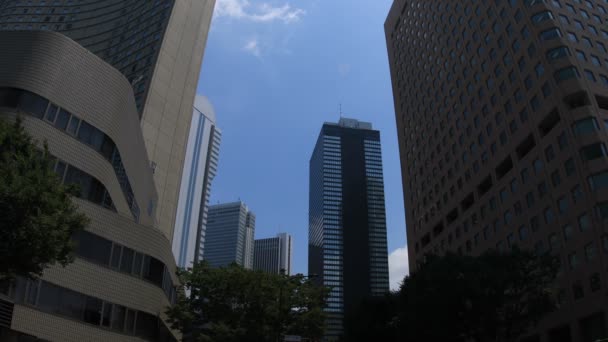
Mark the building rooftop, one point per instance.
(351, 123)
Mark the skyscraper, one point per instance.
(229, 236)
(123, 275)
(501, 111)
(273, 255)
(158, 45)
(202, 156)
(347, 248)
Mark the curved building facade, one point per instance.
(158, 45)
(123, 276)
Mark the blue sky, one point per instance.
(275, 71)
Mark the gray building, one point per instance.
(200, 167)
(229, 236)
(158, 46)
(273, 255)
(347, 246)
(123, 275)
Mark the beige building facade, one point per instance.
(123, 277)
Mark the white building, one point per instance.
(200, 167)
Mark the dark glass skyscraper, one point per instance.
(502, 119)
(347, 225)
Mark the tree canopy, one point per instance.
(37, 215)
(492, 297)
(234, 304)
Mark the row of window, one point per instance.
(81, 130)
(50, 298)
(121, 258)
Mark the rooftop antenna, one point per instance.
(340, 111)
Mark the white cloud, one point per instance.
(242, 9)
(253, 46)
(398, 266)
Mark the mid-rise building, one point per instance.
(123, 277)
(273, 255)
(502, 119)
(347, 247)
(200, 167)
(230, 235)
(158, 45)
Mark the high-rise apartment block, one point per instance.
(200, 167)
(502, 118)
(347, 248)
(158, 45)
(110, 85)
(273, 255)
(230, 235)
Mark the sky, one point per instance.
(275, 71)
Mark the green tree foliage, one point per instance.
(37, 215)
(492, 297)
(234, 304)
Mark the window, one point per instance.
(549, 215)
(573, 260)
(554, 242)
(581, 55)
(589, 75)
(598, 181)
(51, 114)
(73, 125)
(566, 74)
(530, 199)
(92, 247)
(593, 151)
(562, 204)
(551, 33)
(541, 16)
(577, 193)
(555, 178)
(539, 69)
(523, 233)
(534, 223)
(590, 252)
(569, 166)
(28, 102)
(568, 232)
(595, 283)
(585, 126)
(62, 120)
(584, 222)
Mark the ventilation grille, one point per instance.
(6, 313)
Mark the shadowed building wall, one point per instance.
(501, 111)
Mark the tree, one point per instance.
(235, 304)
(493, 297)
(37, 215)
(374, 319)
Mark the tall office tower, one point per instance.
(273, 255)
(158, 45)
(229, 236)
(123, 275)
(501, 110)
(200, 166)
(347, 223)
